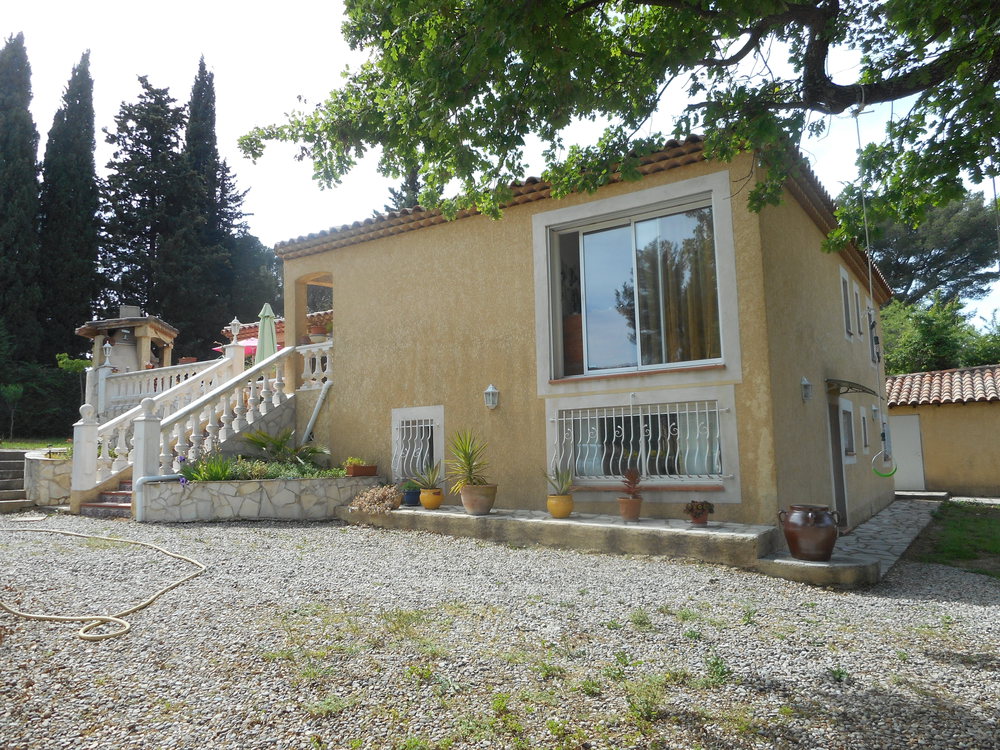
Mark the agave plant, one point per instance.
(467, 465)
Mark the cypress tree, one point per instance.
(69, 218)
(20, 295)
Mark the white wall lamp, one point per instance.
(807, 390)
(491, 396)
(107, 351)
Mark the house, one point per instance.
(657, 323)
(944, 424)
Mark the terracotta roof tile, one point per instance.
(959, 386)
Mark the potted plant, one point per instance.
(631, 501)
(411, 493)
(359, 467)
(698, 511)
(427, 480)
(467, 469)
(560, 500)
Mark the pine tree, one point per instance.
(68, 225)
(20, 295)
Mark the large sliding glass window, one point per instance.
(639, 293)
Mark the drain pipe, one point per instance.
(137, 499)
(307, 435)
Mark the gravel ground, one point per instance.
(328, 636)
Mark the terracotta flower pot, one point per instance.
(478, 499)
(629, 508)
(431, 499)
(560, 506)
(810, 530)
(360, 470)
(700, 519)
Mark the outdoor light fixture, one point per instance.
(107, 351)
(234, 328)
(491, 396)
(807, 390)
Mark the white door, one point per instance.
(907, 452)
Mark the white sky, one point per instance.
(263, 58)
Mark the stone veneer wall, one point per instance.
(274, 499)
(47, 480)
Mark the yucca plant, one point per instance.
(467, 465)
(561, 481)
(281, 447)
(430, 477)
(213, 467)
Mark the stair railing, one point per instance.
(121, 391)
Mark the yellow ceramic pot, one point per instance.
(560, 506)
(431, 499)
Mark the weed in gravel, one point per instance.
(414, 743)
(549, 671)
(839, 674)
(902, 656)
(420, 672)
(567, 738)
(693, 635)
(643, 698)
(640, 620)
(749, 613)
(590, 687)
(717, 672)
(331, 705)
(613, 625)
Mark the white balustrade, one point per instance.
(317, 361)
(124, 390)
(205, 424)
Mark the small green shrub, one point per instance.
(282, 448)
(641, 621)
(213, 467)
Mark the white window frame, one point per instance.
(433, 414)
(845, 295)
(857, 311)
(850, 456)
(713, 190)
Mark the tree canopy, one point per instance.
(952, 252)
(935, 335)
(459, 87)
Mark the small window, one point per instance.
(417, 440)
(847, 431)
(846, 293)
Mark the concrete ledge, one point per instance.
(922, 495)
(842, 571)
(13, 506)
(723, 543)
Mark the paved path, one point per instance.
(887, 535)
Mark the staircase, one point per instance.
(12, 497)
(110, 504)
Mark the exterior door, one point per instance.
(907, 452)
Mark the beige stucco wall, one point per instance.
(806, 339)
(433, 316)
(957, 441)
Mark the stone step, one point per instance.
(17, 494)
(17, 473)
(14, 465)
(14, 505)
(12, 454)
(106, 510)
(125, 486)
(115, 496)
(16, 483)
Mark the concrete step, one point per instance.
(16, 483)
(115, 496)
(13, 506)
(17, 494)
(17, 473)
(106, 510)
(922, 495)
(11, 454)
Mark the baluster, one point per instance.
(327, 363)
(212, 428)
(240, 423)
(182, 444)
(306, 371)
(104, 459)
(266, 396)
(197, 438)
(166, 454)
(130, 438)
(279, 385)
(226, 430)
(253, 404)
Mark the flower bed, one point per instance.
(253, 499)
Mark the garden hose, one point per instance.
(96, 621)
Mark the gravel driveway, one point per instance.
(329, 636)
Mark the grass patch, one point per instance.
(32, 444)
(961, 535)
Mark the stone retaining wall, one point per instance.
(47, 480)
(274, 499)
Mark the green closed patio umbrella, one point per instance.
(267, 339)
